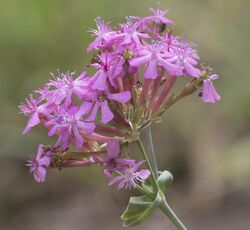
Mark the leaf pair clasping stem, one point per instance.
(159, 182)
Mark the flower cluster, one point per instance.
(136, 67)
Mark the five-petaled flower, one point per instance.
(131, 176)
(39, 163)
(68, 123)
(111, 161)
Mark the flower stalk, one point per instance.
(96, 118)
(151, 152)
(164, 206)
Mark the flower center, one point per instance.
(102, 97)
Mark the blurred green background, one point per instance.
(206, 147)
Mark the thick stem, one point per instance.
(146, 86)
(152, 151)
(156, 86)
(145, 157)
(171, 215)
(163, 205)
(168, 85)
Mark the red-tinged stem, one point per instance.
(120, 120)
(136, 78)
(71, 164)
(89, 146)
(106, 130)
(126, 83)
(117, 106)
(168, 85)
(95, 137)
(146, 85)
(156, 87)
(120, 84)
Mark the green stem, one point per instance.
(163, 205)
(171, 215)
(145, 157)
(152, 151)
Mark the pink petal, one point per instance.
(169, 67)
(93, 45)
(144, 174)
(122, 97)
(40, 174)
(113, 148)
(44, 161)
(52, 131)
(167, 21)
(84, 109)
(136, 62)
(107, 114)
(115, 179)
(191, 70)
(151, 70)
(39, 152)
(137, 166)
(108, 172)
(88, 127)
(93, 114)
(101, 81)
(33, 121)
(78, 138)
(122, 184)
(209, 94)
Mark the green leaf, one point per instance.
(139, 208)
(147, 186)
(164, 180)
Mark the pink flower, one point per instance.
(154, 56)
(68, 123)
(158, 17)
(39, 163)
(100, 101)
(108, 69)
(185, 57)
(209, 94)
(32, 109)
(104, 36)
(137, 63)
(131, 177)
(62, 88)
(130, 35)
(111, 162)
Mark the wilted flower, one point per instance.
(209, 94)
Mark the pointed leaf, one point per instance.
(139, 208)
